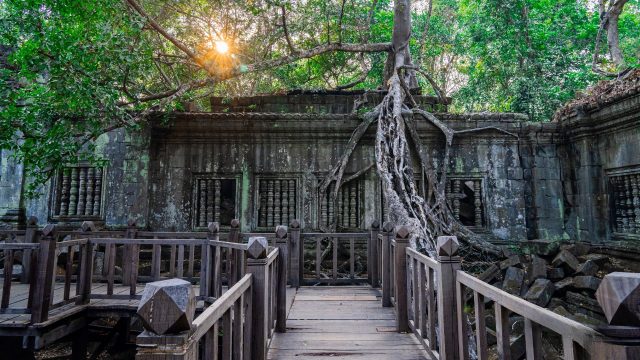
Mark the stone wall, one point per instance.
(550, 181)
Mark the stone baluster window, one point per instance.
(466, 201)
(277, 202)
(78, 193)
(346, 211)
(625, 191)
(215, 200)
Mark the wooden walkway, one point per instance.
(342, 322)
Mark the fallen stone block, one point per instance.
(588, 267)
(518, 348)
(513, 260)
(540, 292)
(582, 301)
(586, 283)
(537, 268)
(564, 284)
(513, 280)
(555, 274)
(600, 259)
(567, 261)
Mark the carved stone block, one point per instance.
(619, 296)
(257, 247)
(167, 307)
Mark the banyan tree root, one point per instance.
(429, 216)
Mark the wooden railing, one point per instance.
(432, 297)
(248, 315)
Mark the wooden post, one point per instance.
(205, 262)
(449, 264)
(281, 281)
(295, 254)
(387, 235)
(30, 238)
(257, 267)
(237, 257)
(400, 272)
(128, 253)
(372, 251)
(44, 276)
(85, 273)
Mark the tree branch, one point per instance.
(134, 5)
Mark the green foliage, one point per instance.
(69, 70)
(59, 86)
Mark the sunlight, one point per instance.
(221, 46)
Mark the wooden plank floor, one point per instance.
(342, 322)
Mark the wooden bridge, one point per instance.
(273, 295)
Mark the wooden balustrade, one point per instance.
(321, 243)
(249, 312)
(429, 296)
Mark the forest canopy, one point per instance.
(71, 70)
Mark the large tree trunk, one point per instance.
(430, 217)
(613, 37)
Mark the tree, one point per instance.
(76, 71)
(610, 12)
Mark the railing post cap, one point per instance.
(281, 232)
(48, 230)
(167, 306)
(32, 221)
(402, 232)
(375, 224)
(448, 246)
(88, 226)
(387, 227)
(213, 227)
(131, 223)
(257, 247)
(235, 223)
(295, 224)
(618, 295)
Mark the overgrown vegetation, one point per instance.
(74, 70)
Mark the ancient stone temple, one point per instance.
(260, 160)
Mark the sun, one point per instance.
(221, 46)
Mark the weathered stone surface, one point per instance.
(588, 267)
(580, 301)
(167, 307)
(490, 273)
(619, 297)
(540, 292)
(257, 247)
(555, 274)
(564, 284)
(599, 259)
(513, 280)
(512, 260)
(567, 261)
(518, 347)
(537, 268)
(586, 282)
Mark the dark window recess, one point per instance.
(465, 200)
(346, 212)
(277, 202)
(216, 201)
(625, 210)
(79, 192)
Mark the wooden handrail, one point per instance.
(214, 312)
(581, 334)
